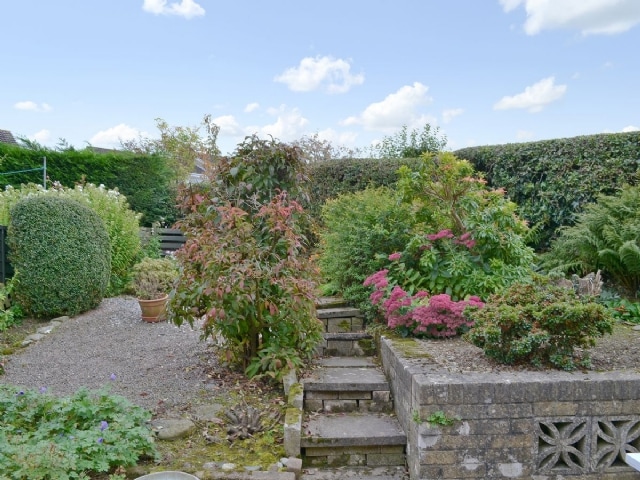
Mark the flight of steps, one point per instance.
(349, 427)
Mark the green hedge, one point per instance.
(335, 177)
(552, 180)
(144, 179)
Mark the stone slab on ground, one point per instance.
(352, 430)
(347, 362)
(361, 473)
(342, 312)
(172, 428)
(346, 379)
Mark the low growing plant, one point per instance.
(153, 278)
(10, 312)
(539, 323)
(419, 314)
(49, 438)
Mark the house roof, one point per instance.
(7, 137)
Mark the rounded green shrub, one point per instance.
(60, 251)
(539, 323)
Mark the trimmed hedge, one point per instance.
(60, 251)
(552, 180)
(145, 180)
(335, 177)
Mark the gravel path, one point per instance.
(157, 366)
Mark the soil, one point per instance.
(618, 351)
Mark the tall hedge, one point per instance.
(552, 180)
(60, 251)
(145, 180)
(335, 177)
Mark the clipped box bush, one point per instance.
(60, 251)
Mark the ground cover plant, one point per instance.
(538, 322)
(60, 251)
(243, 267)
(49, 438)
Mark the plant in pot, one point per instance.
(151, 281)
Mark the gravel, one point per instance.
(156, 365)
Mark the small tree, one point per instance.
(243, 266)
(410, 144)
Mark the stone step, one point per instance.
(361, 473)
(331, 302)
(370, 440)
(347, 384)
(347, 344)
(340, 312)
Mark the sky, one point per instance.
(485, 72)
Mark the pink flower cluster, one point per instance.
(436, 316)
(464, 239)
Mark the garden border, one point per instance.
(547, 424)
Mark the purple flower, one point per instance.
(103, 425)
(100, 440)
(113, 377)
(19, 393)
(43, 389)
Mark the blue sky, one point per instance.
(352, 71)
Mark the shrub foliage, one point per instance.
(606, 237)
(111, 206)
(60, 251)
(357, 228)
(46, 438)
(553, 180)
(243, 266)
(539, 323)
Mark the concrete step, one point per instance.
(370, 440)
(347, 344)
(347, 384)
(331, 302)
(361, 473)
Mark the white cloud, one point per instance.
(535, 97)
(229, 126)
(631, 128)
(450, 114)
(509, 5)
(111, 137)
(336, 139)
(331, 74)
(43, 136)
(185, 8)
(32, 106)
(522, 135)
(590, 17)
(289, 124)
(397, 109)
(251, 107)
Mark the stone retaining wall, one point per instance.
(526, 425)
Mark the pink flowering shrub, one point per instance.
(419, 314)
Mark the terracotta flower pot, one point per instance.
(153, 310)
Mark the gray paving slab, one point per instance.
(342, 312)
(352, 430)
(347, 362)
(361, 473)
(334, 379)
